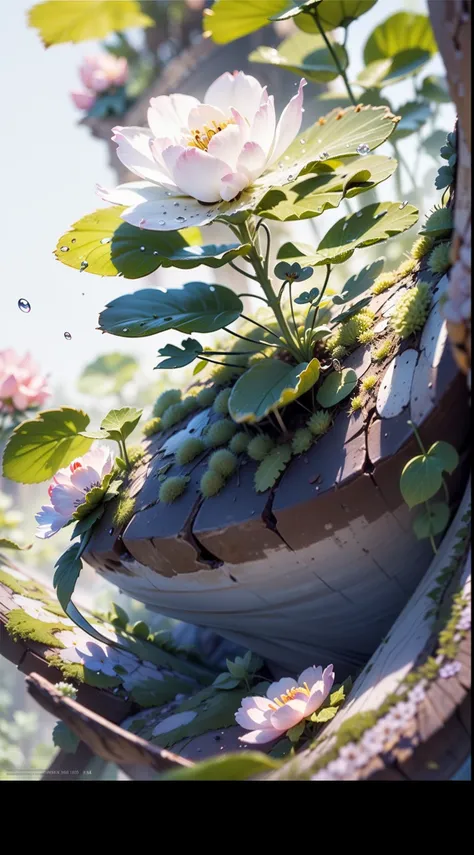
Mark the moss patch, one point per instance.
(21, 625)
(27, 587)
(80, 674)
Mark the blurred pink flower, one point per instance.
(69, 487)
(22, 387)
(285, 705)
(195, 4)
(99, 73)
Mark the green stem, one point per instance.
(318, 302)
(253, 340)
(290, 285)
(417, 436)
(335, 57)
(432, 540)
(125, 455)
(257, 297)
(242, 272)
(225, 364)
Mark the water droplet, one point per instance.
(180, 219)
(24, 305)
(125, 329)
(142, 249)
(161, 223)
(359, 214)
(64, 249)
(344, 227)
(111, 531)
(403, 204)
(67, 336)
(84, 266)
(169, 194)
(286, 157)
(155, 252)
(106, 240)
(302, 141)
(211, 288)
(303, 151)
(363, 149)
(176, 204)
(73, 240)
(280, 165)
(290, 177)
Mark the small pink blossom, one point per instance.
(69, 488)
(285, 705)
(22, 387)
(99, 73)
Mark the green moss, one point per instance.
(21, 625)
(411, 311)
(135, 453)
(76, 672)
(220, 433)
(152, 426)
(224, 375)
(260, 446)
(366, 337)
(211, 483)
(206, 396)
(382, 351)
(369, 383)
(302, 441)
(221, 402)
(239, 442)
(350, 330)
(384, 282)
(406, 267)
(356, 403)
(124, 511)
(189, 405)
(319, 422)
(439, 260)
(172, 489)
(172, 415)
(189, 449)
(165, 400)
(26, 587)
(224, 462)
(338, 351)
(421, 247)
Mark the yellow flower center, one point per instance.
(290, 695)
(202, 137)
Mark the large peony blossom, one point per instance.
(22, 387)
(285, 705)
(99, 73)
(69, 488)
(195, 155)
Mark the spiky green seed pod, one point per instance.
(124, 511)
(259, 446)
(411, 311)
(338, 352)
(206, 396)
(224, 375)
(440, 260)
(439, 223)
(356, 403)
(174, 414)
(223, 462)
(189, 449)
(421, 247)
(135, 453)
(189, 404)
(406, 267)
(221, 403)
(165, 400)
(220, 433)
(172, 488)
(382, 351)
(366, 337)
(152, 426)
(239, 442)
(211, 483)
(302, 440)
(350, 330)
(319, 422)
(368, 383)
(384, 282)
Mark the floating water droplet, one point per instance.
(142, 249)
(324, 155)
(111, 531)
(180, 219)
(302, 141)
(403, 204)
(67, 336)
(176, 204)
(169, 193)
(64, 249)
(106, 240)
(24, 305)
(161, 223)
(211, 288)
(84, 266)
(155, 252)
(363, 149)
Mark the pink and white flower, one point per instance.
(22, 387)
(69, 488)
(197, 155)
(80, 649)
(99, 73)
(285, 705)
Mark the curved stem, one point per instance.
(316, 305)
(253, 340)
(263, 327)
(242, 272)
(257, 297)
(263, 225)
(225, 364)
(290, 285)
(335, 57)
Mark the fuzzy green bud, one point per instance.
(439, 260)
(172, 415)
(172, 488)
(220, 433)
(206, 396)
(152, 426)
(439, 223)
(211, 483)
(221, 403)
(239, 442)
(302, 441)
(319, 422)
(223, 462)
(189, 449)
(411, 311)
(421, 247)
(259, 446)
(165, 400)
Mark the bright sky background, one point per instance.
(50, 166)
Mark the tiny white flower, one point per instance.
(36, 609)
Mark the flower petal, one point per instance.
(280, 687)
(289, 124)
(133, 150)
(232, 184)
(85, 478)
(227, 144)
(49, 522)
(263, 127)
(168, 114)
(65, 498)
(256, 701)
(240, 90)
(288, 715)
(205, 114)
(219, 92)
(199, 174)
(252, 160)
(135, 193)
(310, 676)
(83, 100)
(259, 737)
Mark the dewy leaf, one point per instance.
(271, 467)
(67, 570)
(6, 543)
(119, 424)
(360, 282)
(400, 32)
(306, 55)
(336, 387)
(39, 447)
(107, 375)
(420, 480)
(231, 19)
(372, 224)
(432, 520)
(332, 14)
(60, 21)
(229, 767)
(446, 456)
(197, 307)
(414, 115)
(178, 357)
(269, 385)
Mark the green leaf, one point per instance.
(435, 89)
(215, 709)
(107, 375)
(236, 669)
(154, 693)
(360, 282)
(372, 224)
(119, 424)
(271, 467)
(230, 767)
(444, 178)
(414, 115)
(400, 32)
(66, 573)
(6, 543)
(353, 310)
(39, 447)
(118, 617)
(337, 697)
(420, 480)
(86, 520)
(305, 55)
(269, 385)
(324, 715)
(231, 19)
(295, 732)
(178, 357)
(197, 307)
(336, 13)
(383, 72)
(64, 738)
(60, 21)
(225, 682)
(432, 520)
(433, 143)
(336, 387)
(446, 456)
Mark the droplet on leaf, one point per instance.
(106, 240)
(67, 336)
(24, 305)
(64, 249)
(363, 149)
(84, 266)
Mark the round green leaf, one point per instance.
(400, 32)
(414, 114)
(107, 374)
(269, 385)
(119, 424)
(383, 72)
(445, 455)
(39, 447)
(197, 307)
(228, 20)
(178, 357)
(305, 55)
(332, 14)
(336, 387)
(420, 480)
(60, 21)
(432, 520)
